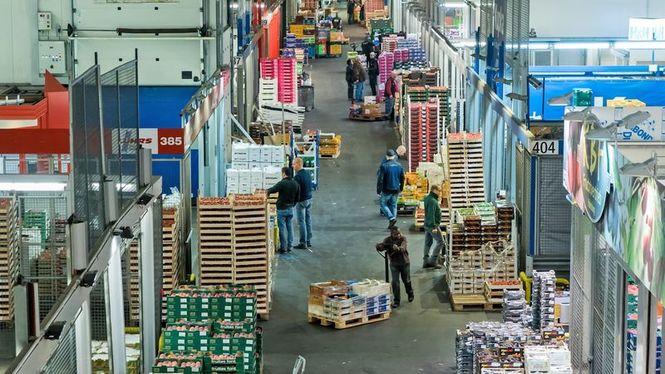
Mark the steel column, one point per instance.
(147, 294)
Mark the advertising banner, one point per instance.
(585, 168)
(159, 141)
(627, 210)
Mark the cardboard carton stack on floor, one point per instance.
(254, 167)
(341, 301)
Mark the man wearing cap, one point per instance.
(373, 71)
(390, 183)
(395, 247)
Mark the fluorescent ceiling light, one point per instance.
(35, 186)
(539, 45)
(455, 5)
(590, 45)
(639, 45)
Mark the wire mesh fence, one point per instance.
(121, 122)
(43, 247)
(87, 154)
(64, 358)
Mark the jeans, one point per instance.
(432, 236)
(388, 202)
(390, 107)
(284, 217)
(360, 92)
(304, 221)
(350, 14)
(372, 85)
(349, 90)
(405, 272)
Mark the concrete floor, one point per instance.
(419, 337)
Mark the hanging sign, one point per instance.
(544, 147)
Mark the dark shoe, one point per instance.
(309, 244)
(428, 266)
(395, 305)
(300, 246)
(281, 251)
(411, 297)
(392, 224)
(289, 250)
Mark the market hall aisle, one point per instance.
(420, 336)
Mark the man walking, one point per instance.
(304, 205)
(432, 229)
(350, 5)
(395, 247)
(390, 183)
(289, 192)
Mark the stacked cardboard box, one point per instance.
(542, 299)
(549, 359)
(341, 301)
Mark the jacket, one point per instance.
(349, 74)
(289, 192)
(399, 255)
(391, 87)
(432, 211)
(390, 177)
(373, 68)
(367, 47)
(304, 180)
(359, 73)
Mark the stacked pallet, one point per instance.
(284, 71)
(465, 169)
(309, 4)
(235, 242)
(495, 289)
(134, 286)
(173, 257)
(423, 142)
(9, 255)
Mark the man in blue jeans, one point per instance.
(390, 183)
(432, 225)
(304, 205)
(289, 192)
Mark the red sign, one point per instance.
(170, 141)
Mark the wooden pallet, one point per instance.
(341, 325)
(460, 303)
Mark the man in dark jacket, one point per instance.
(349, 79)
(289, 193)
(372, 71)
(367, 46)
(390, 183)
(350, 5)
(304, 205)
(395, 248)
(432, 228)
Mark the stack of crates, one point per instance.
(218, 323)
(287, 81)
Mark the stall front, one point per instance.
(617, 250)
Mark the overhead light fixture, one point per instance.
(516, 96)
(539, 46)
(563, 100)
(647, 168)
(534, 82)
(455, 5)
(640, 45)
(610, 131)
(503, 80)
(589, 45)
(33, 187)
(234, 5)
(581, 115)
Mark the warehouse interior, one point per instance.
(158, 160)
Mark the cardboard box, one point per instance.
(266, 154)
(240, 152)
(254, 153)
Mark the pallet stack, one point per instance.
(234, 240)
(9, 255)
(267, 91)
(465, 169)
(134, 286)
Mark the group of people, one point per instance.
(357, 75)
(355, 9)
(294, 192)
(390, 183)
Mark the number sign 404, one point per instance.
(545, 147)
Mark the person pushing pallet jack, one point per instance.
(395, 248)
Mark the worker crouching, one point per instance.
(395, 247)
